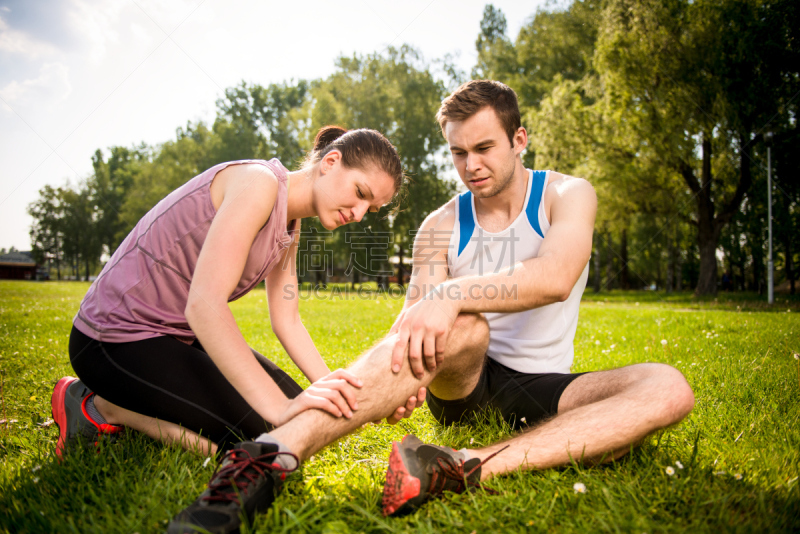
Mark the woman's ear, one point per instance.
(329, 160)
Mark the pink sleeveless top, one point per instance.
(143, 289)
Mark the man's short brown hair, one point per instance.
(473, 96)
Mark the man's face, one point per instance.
(484, 157)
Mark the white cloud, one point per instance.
(18, 42)
(51, 87)
(96, 22)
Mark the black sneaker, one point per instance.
(246, 481)
(419, 471)
(68, 404)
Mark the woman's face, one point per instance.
(343, 195)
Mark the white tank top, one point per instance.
(533, 341)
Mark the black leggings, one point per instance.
(164, 378)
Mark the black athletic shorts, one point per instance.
(164, 378)
(522, 399)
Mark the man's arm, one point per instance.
(529, 284)
(429, 271)
(551, 275)
(430, 254)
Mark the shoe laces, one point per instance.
(231, 479)
(454, 470)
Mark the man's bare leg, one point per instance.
(600, 416)
(383, 390)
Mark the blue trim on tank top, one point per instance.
(532, 209)
(466, 222)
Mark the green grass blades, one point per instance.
(731, 466)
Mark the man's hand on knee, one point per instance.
(422, 331)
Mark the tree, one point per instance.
(81, 245)
(396, 94)
(696, 95)
(46, 230)
(110, 185)
(262, 122)
(496, 54)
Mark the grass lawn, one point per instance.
(734, 461)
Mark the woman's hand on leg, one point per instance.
(333, 393)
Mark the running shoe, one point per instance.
(419, 471)
(74, 422)
(246, 481)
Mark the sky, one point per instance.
(78, 75)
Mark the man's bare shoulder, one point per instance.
(565, 191)
(440, 220)
(436, 230)
(563, 183)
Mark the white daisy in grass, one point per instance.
(670, 470)
(738, 476)
(678, 464)
(579, 487)
(663, 342)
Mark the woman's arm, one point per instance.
(284, 316)
(282, 295)
(244, 197)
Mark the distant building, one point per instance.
(17, 266)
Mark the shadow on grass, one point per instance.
(132, 485)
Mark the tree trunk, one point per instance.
(787, 246)
(670, 265)
(624, 282)
(707, 282)
(401, 269)
(708, 233)
(597, 279)
(758, 267)
(609, 262)
(321, 278)
(58, 261)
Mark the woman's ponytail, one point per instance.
(327, 135)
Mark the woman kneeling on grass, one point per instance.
(155, 344)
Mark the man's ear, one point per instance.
(520, 140)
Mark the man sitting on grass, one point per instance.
(489, 322)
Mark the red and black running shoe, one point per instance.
(419, 471)
(74, 422)
(246, 481)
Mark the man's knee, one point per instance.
(677, 394)
(464, 357)
(470, 333)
